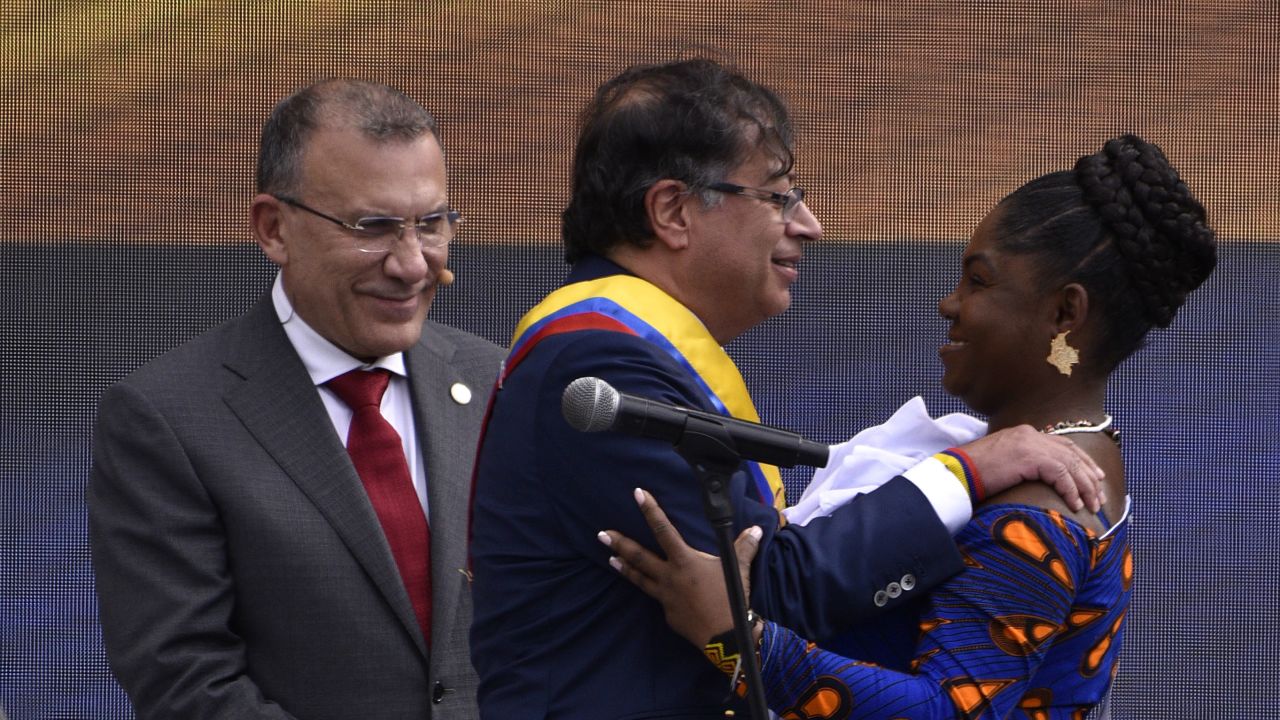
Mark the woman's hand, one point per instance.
(689, 583)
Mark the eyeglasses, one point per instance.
(378, 234)
(788, 201)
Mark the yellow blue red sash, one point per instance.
(628, 304)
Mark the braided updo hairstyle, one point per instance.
(1124, 226)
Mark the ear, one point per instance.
(666, 206)
(1073, 307)
(264, 218)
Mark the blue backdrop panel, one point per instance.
(1197, 407)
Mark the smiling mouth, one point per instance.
(789, 263)
(394, 300)
(394, 294)
(396, 305)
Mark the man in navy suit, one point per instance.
(685, 229)
(243, 566)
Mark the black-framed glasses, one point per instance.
(378, 234)
(788, 201)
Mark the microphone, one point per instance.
(590, 404)
(444, 278)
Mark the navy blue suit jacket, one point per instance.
(557, 632)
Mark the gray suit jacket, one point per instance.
(241, 570)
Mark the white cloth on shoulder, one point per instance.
(874, 456)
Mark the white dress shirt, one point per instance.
(325, 361)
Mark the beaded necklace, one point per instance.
(1067, 427)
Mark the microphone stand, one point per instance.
(710, 451)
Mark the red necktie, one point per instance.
(375, 449)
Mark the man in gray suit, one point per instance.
(243, 569)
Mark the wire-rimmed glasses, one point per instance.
(378, 234)
(788, 201)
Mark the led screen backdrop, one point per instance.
(126, 162)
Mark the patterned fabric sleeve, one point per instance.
(983, 635)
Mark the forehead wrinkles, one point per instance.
(352, 164)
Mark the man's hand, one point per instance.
(689, 583)
(1017, 454)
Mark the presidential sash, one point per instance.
(628, 304)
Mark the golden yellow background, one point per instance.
(138, 121)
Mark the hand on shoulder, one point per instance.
(1012, 456)
(1100, 451)
(1042, 496)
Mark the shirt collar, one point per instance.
(324, 360)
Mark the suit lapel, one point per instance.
(448, 450)
(281, 408)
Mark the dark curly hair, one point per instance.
(1124, 226)
(693, 120)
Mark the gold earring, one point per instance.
(1061, 355)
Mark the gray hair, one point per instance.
(382, 113)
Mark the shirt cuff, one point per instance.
(948, 497)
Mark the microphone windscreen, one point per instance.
(589, 404)
(445, 277)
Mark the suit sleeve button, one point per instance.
(881, 598)
(908, 582)
(893, 589)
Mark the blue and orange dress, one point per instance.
(1031, 629)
